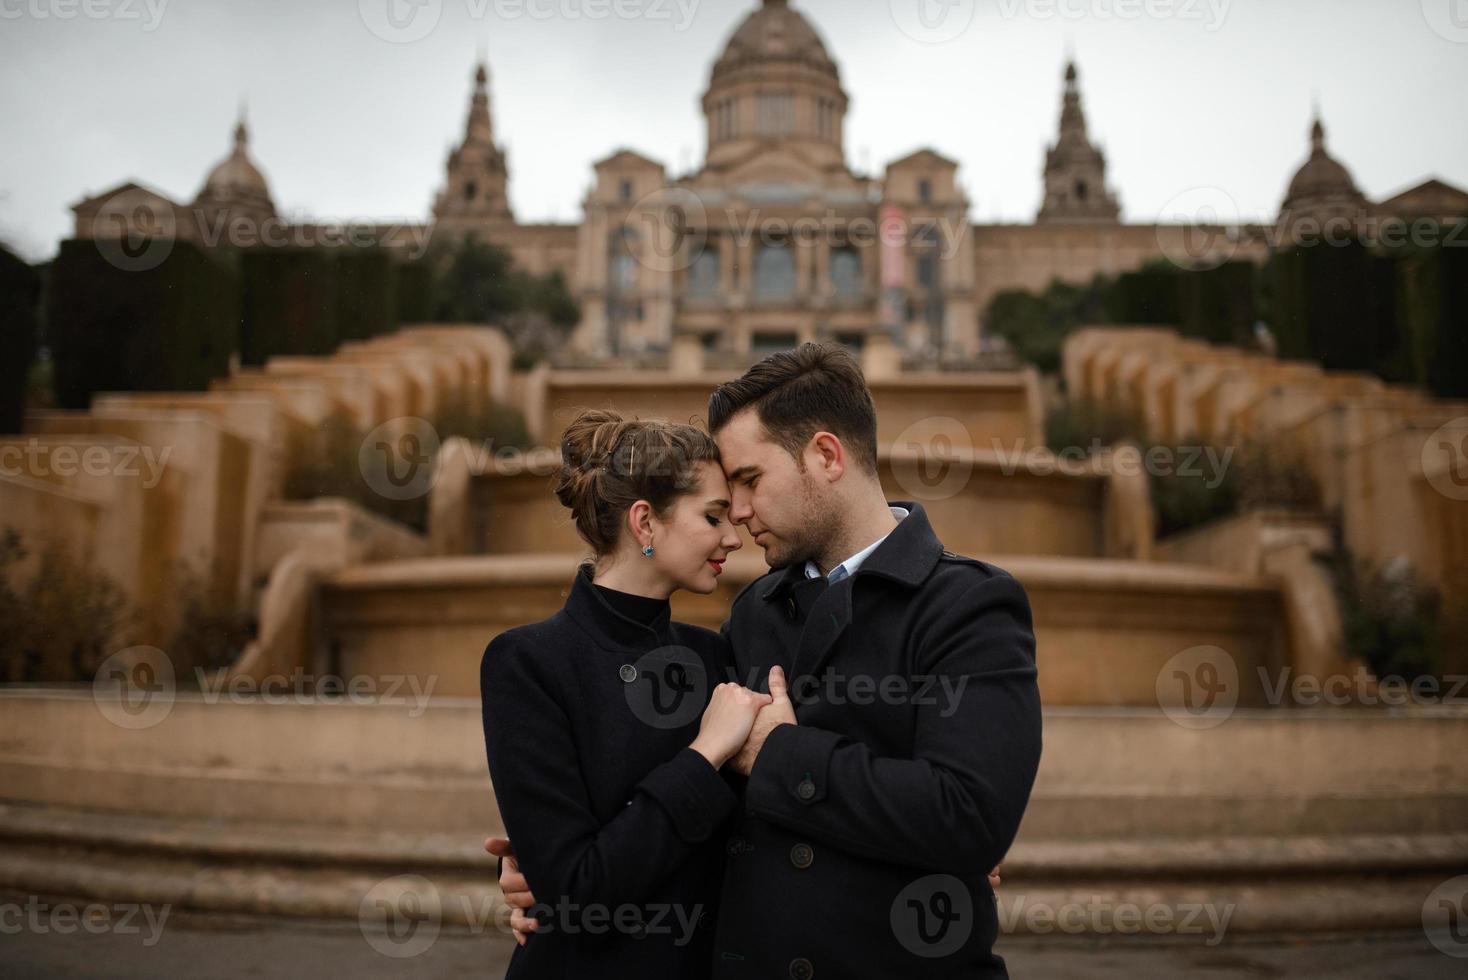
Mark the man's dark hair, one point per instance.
(797, 393)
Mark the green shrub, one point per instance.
(496, 425)
(1084, 424)
(1433, 311)
(1035, 325)
(61, 623)
(1390, 620)
(365, 288)
(330, 468)
(1324, 305)
(172, 327)
(1150, 295)
(414, 291)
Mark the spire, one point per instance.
(241, 131)
(478, 130)
(1075, 168)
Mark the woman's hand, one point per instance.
(727, 721)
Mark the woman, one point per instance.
(605, 725)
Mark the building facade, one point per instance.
(776, 239)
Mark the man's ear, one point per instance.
(830, 455)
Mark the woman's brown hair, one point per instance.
(609, 462)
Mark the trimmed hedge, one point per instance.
(20, 293)
(1218, 305)
(172, 327)
(287, 303)
(1433, 298)
(1325, 305)
(414, 291)
(1149, 296)
(365, 288)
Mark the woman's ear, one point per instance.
(639, 523)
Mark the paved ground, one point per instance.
(240, 949)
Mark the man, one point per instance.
(893, 767)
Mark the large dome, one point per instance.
(236, 180)
(774, 35)
(1322, 175)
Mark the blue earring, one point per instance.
(647, 552)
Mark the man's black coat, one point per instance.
(868, 829)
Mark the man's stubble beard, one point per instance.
(816, 527)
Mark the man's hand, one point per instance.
(516, 889)
(778, 712)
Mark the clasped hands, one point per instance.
(737, 722)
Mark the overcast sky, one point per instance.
(352, 116)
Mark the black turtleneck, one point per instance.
(640, 608)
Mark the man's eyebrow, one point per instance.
(743, 472)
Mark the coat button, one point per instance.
(628, 673)
(801, 969)
(735, 847)
(806, 789)
(801, 856)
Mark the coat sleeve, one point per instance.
(956, 804)
(567, 854)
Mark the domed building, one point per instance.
(1322, 197)
(235, 190)
(775, 240)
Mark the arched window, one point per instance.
(774, 272)
(469, 190)
(1081, 191)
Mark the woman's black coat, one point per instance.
(618, 826)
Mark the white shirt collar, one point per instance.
(854, 562)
